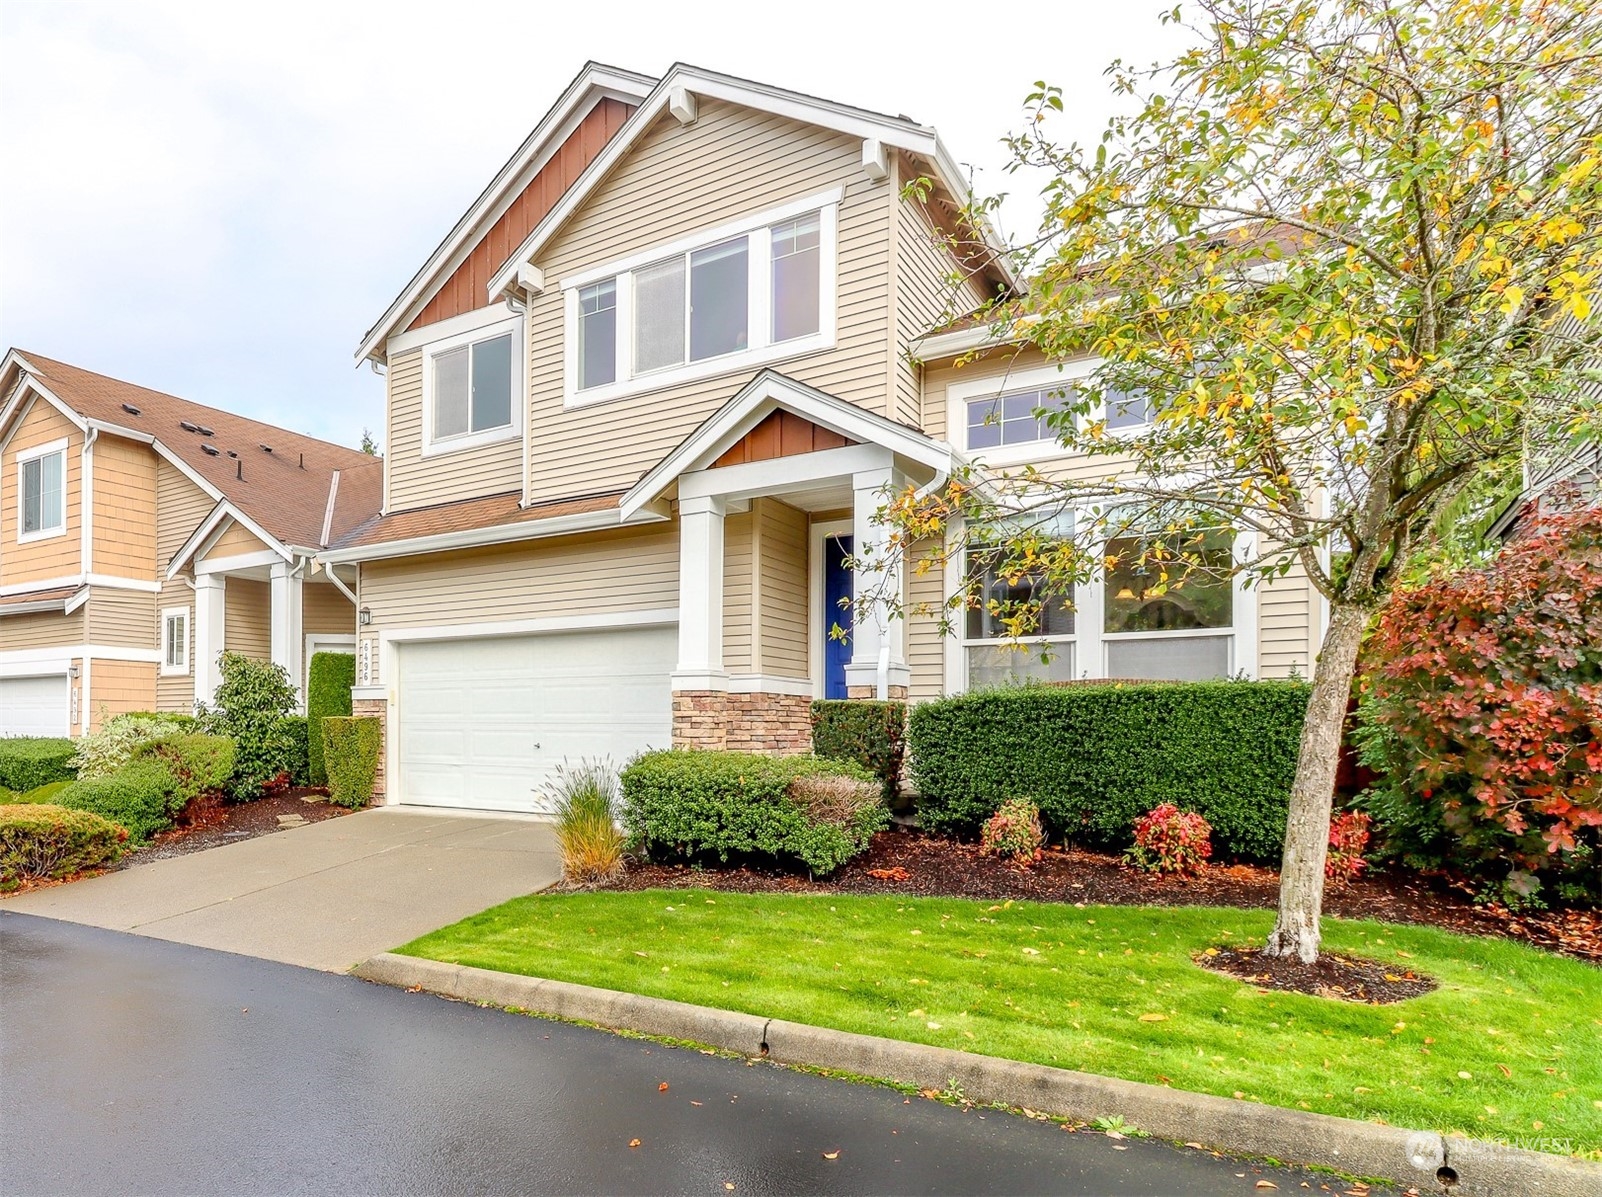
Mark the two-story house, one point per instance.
(643, 402)
(141, 535)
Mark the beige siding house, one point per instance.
(141, 535)
(644, 404)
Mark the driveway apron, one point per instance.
(323, 896)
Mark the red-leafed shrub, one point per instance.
(1348, 840)
(1482, 713)
(1015, 831)
(1170, 840)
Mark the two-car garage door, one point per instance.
(34, 706)
(484, 723)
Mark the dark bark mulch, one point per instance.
(209, 823)
(1344, 978)
(908, 863)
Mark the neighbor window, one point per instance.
(1128, 410)
(1158, 589)
(758, 289)
(1019, 631)
(43, 485)
(473, 387)
(175, 640)
(1013, 418)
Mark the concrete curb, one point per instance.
(1422, 1158)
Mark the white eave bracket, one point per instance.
(875, 160)
(682, 104)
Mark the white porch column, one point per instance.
(878, 666)
(287, 640)
(209, 631)
(700, 664)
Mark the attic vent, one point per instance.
(188, 427)
(210, 450)
(130, 409)
(204, 431)
(234, 455)
(266, 448)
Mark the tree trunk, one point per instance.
(1301, 877)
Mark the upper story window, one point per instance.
(471, 385)
(42, 491)
(732, 297)
(1128, 411)
(1012, 418)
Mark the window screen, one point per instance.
(1170, 658)
(719, 299)
(659, 316)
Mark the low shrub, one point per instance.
(199, 764)
(41, 841)
(28, 762)
(1348, 840)
(296, 731)
(1014, 831)
(113, 744)
(1095, 757)
(139, 797)
(868, 733)
(686, 804)
(351, 746)
(1169, 840)
(252, 702)
(584, 798)
(328, 681)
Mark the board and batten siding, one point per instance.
(732, 162)
(570, 576)
(125, 509)
(412, 480)
(180, 508)
(125, 618)
(42, 629)
(55, 556)
(247, 618)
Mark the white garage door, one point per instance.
(484, 723)
(33, 706)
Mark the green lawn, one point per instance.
(1509, 1047)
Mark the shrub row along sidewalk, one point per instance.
(1508, 1047)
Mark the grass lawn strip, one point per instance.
(1508, 1048)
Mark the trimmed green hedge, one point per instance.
(328, 683)
(868, 733)
(295, 731)
(352, 746)
(38, 841)
(1095, 757)
(28, 762)
(139, 796)
(198, 763)
(687, 804)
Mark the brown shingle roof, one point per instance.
(466, 515)
(284, 491)
(56, 594)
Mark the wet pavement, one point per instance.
(134, 1065)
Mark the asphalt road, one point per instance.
(133, 1065)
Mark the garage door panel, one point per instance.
(34, 706)
(486, 723)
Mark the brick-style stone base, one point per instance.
(378, 709)
(896, 693)
(775, 724)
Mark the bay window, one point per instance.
(1169, 606)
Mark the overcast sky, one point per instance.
(217, 200)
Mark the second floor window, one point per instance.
(1013, 418)
(44, 493)
(473, 387)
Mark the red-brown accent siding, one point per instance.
(783, 434)
(465, 290)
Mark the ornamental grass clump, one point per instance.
(1014, 831)
(1170, 840)
(585, 800)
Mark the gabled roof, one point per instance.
(768, 392)
(683, 80)
(274, 481)
(592, 84)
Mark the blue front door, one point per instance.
(837, 613)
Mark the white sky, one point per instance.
(217, 200)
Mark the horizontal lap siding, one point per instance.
(180, 508)
(117, 687)
(417, 481)
(247, 618)
(739, 592)
(125, 509)
(926, 647)
(1285, 614)
(236, 541)
(41, 630)
(926, 297)
(324, 609)
(126, 618)
(571, 576)
(730, 163)
(55, 556)
(782, 572)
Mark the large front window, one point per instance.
(1018, 628)
(1168, 606)
(761, 292)
(44, 495)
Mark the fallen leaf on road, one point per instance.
(634, 1142)
(662, 1088)
(1266, 1184)
(728, 1184)
(695, 1103)
(831, 1155)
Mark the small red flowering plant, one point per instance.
(1170, 840)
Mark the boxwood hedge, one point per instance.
(28, 762)
(866, 732)
(1094, 757)
(38, 840)
(328, 683)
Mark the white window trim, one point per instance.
(762, 350)
(182, 669)
(959, 394)
(435, 447)
(21, 458)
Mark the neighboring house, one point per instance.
(141, 535)
(644, 399)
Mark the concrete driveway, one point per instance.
(328, 895)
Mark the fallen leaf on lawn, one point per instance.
(1465, 1076)
(634, 1142)
(1506, 1071)
(662, 1088)
(642, 953)
(1031, 952)
(831, 1155)
(1154, 1018)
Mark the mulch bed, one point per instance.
(1344, 978)
(908, 863)
(212, 823)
